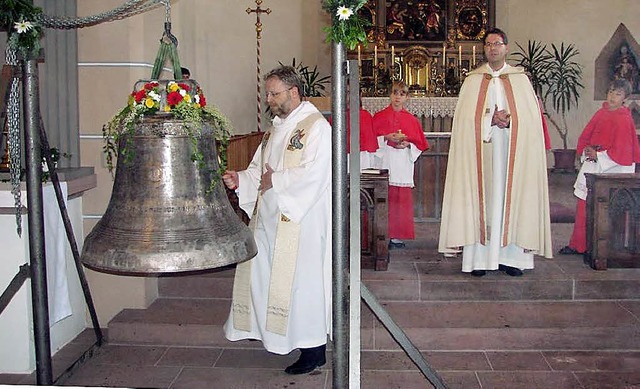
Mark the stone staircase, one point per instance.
(556, 316)
(562, 303)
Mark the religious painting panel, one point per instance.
(624, 66)
(416, 20)
(471, 19)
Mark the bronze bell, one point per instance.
(163, 217)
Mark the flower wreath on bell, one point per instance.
(182, 100)
(347, 26)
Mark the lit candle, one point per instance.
(393, 55)
(375, 55)
(418, 77)
(444, 54)
(474, 56)
(359, 57)
(460, 55)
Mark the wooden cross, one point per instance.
(258, 10)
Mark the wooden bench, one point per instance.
(613, 220)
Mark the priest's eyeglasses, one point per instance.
(493, 44)
(276, 94)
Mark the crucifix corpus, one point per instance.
(258, 10)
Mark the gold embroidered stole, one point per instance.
(285, 251)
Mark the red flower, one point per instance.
(184, 86)
(150, 85)
(174, 98)
(140, 95)
(203, 101)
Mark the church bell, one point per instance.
(165, 214)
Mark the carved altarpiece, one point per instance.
(429, 44)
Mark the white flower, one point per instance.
(183, 92)
(23, 26)
(154, 95)
(344, 13)
(196, 99)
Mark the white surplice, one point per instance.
(303, 194)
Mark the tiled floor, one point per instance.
(562, 325)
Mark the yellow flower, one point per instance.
(167, 108)
(149, 103)
(187, 98)
(173, 87)
(344, 13)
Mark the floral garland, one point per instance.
(347, 26)
(18, 18)
(177, 99)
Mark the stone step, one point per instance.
(434, 326)
(430, 278)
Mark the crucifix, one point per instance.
(258, 10)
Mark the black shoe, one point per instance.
(310, 358)
(394, 245)
(512, 271)
(566, 250)
(478, 273)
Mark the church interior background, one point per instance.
(431, 44)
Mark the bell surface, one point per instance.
(162, 216)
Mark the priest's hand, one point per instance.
(265, 181)
(501, 118)
(230, 179)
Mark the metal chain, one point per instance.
(130, 8)
(13, 143)
(167, 10)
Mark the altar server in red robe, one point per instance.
(608, 144)
(401, 141)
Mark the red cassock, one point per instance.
(615, 133)
(400, 183)
(368, 140)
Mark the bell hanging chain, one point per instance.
(128, 9)
(258, 10)
(13, 113)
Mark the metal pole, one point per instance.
(35, 217)
(354, 220)
(340, 249)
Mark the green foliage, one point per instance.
(557, 78)
(25, 40)
(535, 60)
(348, 28)
(314, 84)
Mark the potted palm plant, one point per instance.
(557, 78)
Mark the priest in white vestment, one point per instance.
(282, 296)
(496, 199)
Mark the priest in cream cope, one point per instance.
(282, 296)
(496, 200)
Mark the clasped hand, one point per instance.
(397, 140)
(501, 118)
(591, 153)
